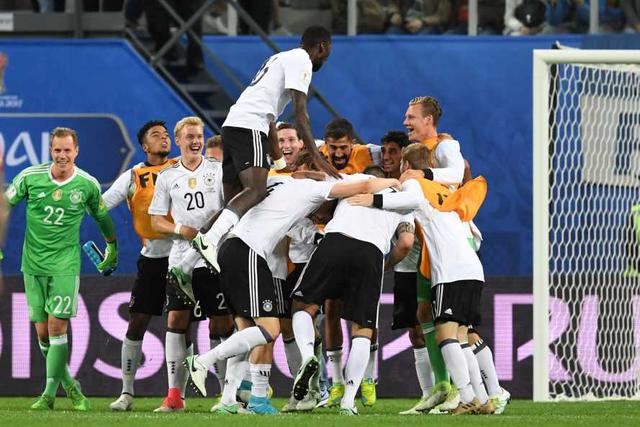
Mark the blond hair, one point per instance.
(417, 155)
(187, 121)
(61, 132)
(430, 107)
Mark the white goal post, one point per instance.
(586, 250)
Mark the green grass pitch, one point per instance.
(520, 413)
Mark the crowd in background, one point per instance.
(509, 17)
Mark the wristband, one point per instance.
(176, 230)
(428, 174)
(377, 201)
(279, 164)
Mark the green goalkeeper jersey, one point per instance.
(54, 212)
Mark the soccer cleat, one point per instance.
(197, 374)
(451, 402)
(302, 383)
(290, 406)
(323, 399)
(44, 403)
(309, 402)
(417, 409)
(486, 408)
(467, 408)
(172, 403)
(500, 401)
(348, 411)
(181, 282)
(208, 252)
(122, 403)
(335, 395)
(368, 392)
(438, 394)
(222, 409)
(78, 400)
(261, 406)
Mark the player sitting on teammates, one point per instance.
(58, 194)
(191, 192)
(136, 186)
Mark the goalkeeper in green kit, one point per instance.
(57, 196)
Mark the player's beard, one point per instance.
(164, 153)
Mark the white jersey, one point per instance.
(264, 100)
(120, 191)
(289, 200)
(192, 198)
(449, 169)
(409, 264)
(451, 256)
(302, 244)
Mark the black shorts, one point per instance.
(405, 300)
(348, 269)
(457, 301)
(287, 288)
(248, 286)
(209, 298)
(148, 293)
(243, 148)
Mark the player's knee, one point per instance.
(473, 336)
(137, 326)
(270, 330)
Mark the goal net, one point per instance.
(586, 224)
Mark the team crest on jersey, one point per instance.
(57, 195)
(267, 305)
(209, 179)
(193, 183)
(76, 196)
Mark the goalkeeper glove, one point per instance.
(110, 261)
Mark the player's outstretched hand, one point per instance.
(326, 167)
(110, 261)
(361, 200)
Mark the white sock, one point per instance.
(237, 366)
(305, 335)
(335, 360)
(370, 371)
(225, 221)
(260, 379)
(293, 356)
(185, 378)
(356, 364)
(175, 354)
(189, 261)
(423, 370)
(238, 343)
(457, 367)
(130, 360)
(220, 366)
(247, 372)
(474, 374)
(487, 368)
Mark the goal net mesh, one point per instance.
(594, 231)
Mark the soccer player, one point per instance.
(247, 260)
(283, 77)
(392, 144)
(191, 192)
(214, 148)
(136, 187)
(348, 266)
(290, 144)
(343, 152)
(57, 196)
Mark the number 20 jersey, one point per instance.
(192, 197)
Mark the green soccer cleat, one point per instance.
(335, 395)
(416, 409)
(181, 282)
(438, 395)
(78, 400)
(500, 401)
(368, 392)
(303, 380)
(208, 252)
(222, 409)
(197, 374)
(44, 403)
(348, 411)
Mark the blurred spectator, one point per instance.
(610, 14)
(260, 10)
(524, 17)
(421, 17)
(159, 20)
(371, 16)
(559, 16)
(490, 17)
(631, 10)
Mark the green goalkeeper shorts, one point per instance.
(424, 288)
(54, 295)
